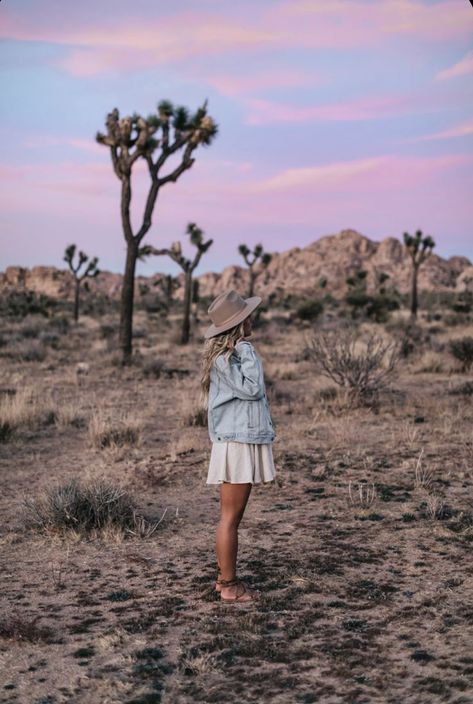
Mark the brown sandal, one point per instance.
(238, 597)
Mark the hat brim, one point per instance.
(251, 304)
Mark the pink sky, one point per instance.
(332, 115)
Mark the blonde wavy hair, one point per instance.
(224, 343)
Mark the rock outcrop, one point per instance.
(299, 271)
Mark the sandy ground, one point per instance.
(358, 605)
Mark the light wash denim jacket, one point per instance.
(238, 408)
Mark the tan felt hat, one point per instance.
(229, 309)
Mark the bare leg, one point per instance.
(233, 500)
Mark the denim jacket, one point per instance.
(238, 407)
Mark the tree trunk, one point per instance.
(251, 284)
(187, 309)
(414, 303)
(76, 300)
(128, 292)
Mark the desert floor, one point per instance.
(358, 604)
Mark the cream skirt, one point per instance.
(241, 463)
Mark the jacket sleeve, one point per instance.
(245, 378)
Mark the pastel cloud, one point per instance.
(354, 23)
(381, 172)
(262, 112)
(259, 81)
(42, 141)
(461, 68)
(132, 45)
(463, 130)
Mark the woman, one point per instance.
(240, 427)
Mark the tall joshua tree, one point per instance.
(251, 258)
(172, 131)
(419, 249)
(188, 266)
(90, 270)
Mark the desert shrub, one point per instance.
(152, 303)
(32, 330)
(107, 330)
(105, 433)
(465, 389)
(83, 507)
(454, 319)
(462, 302)
(60, 323)
(361, 368)
(48, 337)
(153, 368)
(462, 350)
(411, 336)
(30, 352)
(376, 307)
(310, 310)
(19, 304)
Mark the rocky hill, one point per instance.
(298, 271)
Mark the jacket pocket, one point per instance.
(251, 414)
(254, 414)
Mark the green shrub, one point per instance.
(462, 350)
(153, 368)
(310, 310)
(19, 304)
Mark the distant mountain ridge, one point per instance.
(297, 271)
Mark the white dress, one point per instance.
(241, 463)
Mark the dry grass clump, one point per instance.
(430, 362)
(197, 417)
(84, 508)
(364, 497)
(68, 414)
(24, 409)
(107, 433)
(360, 367)
(423, 476)
(20, 628)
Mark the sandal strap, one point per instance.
(228, 582)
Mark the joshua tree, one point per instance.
(188, 266)
(419, 249)
(168, 284)
(130, 139)
(90, 270)
(195, 298)
(251, 257)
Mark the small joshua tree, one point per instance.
(251, 258)
(130, 139)
(168, 284)
(188, 266)
(419, 249)
(90, 270)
